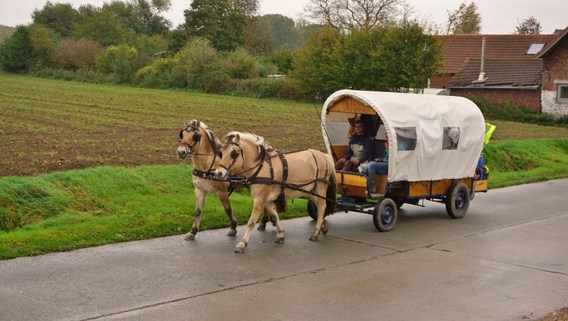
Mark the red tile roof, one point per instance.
(499, 72)
(458, 48)
(550, 47)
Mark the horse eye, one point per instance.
(234, 154)
(220, 154)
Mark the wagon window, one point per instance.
(406, 138)
(451, 138)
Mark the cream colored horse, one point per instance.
(197, 140)
(274, 178)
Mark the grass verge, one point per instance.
(96, 206)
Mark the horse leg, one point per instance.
(271, 209)
(256, 209)
(263, 221)
(320, 224)
(227, 206)
(200, 197)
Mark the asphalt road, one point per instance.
(507, 259)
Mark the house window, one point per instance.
(562, 94)
(535, 48)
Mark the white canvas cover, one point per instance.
(433, 120)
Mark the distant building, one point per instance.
(531, 70)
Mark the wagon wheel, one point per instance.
(457, 200)
(385, 214)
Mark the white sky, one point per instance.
(498, 16)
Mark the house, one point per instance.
(554, 97)
(506, 67)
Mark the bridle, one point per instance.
(234, 156)
(196, 138)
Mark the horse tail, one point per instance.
(280, 203)
(331, 194)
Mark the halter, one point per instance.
(234, 156)
(193, 128)
(197, 139)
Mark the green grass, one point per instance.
(529, 161)
(81, 208)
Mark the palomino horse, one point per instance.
(274, 177)
(197, 140)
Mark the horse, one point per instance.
(197, 140)
(274, 176)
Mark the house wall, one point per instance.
(555, 71)
(528, 97)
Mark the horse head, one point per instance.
(189, 137)
(231, 156)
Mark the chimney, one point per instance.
(482, 77)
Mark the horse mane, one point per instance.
(254, 139)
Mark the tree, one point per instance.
(406, 58)
(101, 25)
(355, 14)
(464, 20)
(281, 30)
(27, 49)
(58, 17)
(17, 51)
(393, 58)
(529, 26)
(257, 39)
(219, 21)
(317, 64)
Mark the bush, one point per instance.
(241, 65)
(202, 66)
(160, 74)
(70, 54)
(120, 61)
(508, 110)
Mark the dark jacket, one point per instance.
(364, 140)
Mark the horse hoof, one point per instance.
(324, 230)
(232, 233)
(239, 249)
(314, 237)
(261, 227)
(279, 240)
(189, 237)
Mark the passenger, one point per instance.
(379, 165)
(358, 151)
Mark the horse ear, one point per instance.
(187, 123)
(197, 123)
(237, 139)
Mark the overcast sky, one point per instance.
(498, 16)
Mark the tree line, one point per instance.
(224, 46)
